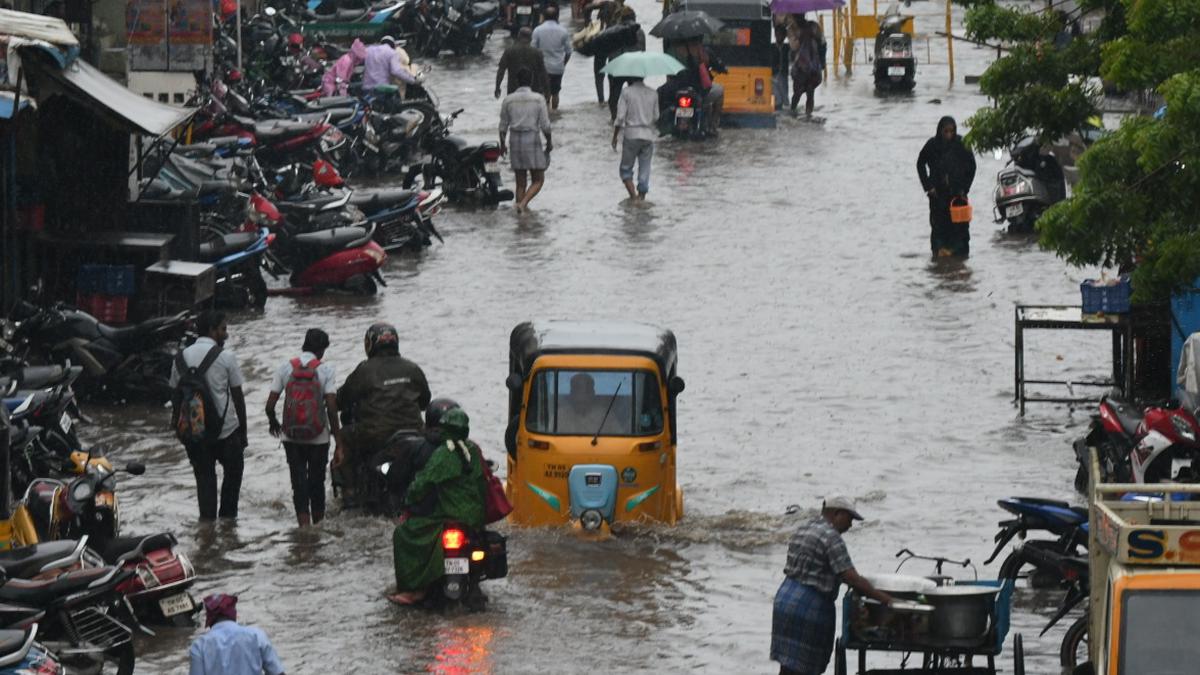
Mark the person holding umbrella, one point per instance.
(806, 46)
(637, 115)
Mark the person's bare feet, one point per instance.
(406, 599)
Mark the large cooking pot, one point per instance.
(961, 612)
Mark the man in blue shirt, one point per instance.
(554, 42)
(229, 648)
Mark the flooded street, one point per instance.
(822, 350)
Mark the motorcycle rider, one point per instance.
(384, 63)
(336, 81)
(407, 453)
(385, 394)
(454, 481)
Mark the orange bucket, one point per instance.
(960, 210)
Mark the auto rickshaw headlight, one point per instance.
(591, 520)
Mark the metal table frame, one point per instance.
(1040, 317)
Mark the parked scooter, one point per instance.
(1030, 184)
(130, 362)
(1158, 445)
(237, 258)
(1068, 524)
(895, 66)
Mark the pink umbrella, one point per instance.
(802, 6)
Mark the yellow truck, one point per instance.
(1144, 552)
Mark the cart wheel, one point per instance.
(1018, 655)
(839, 660)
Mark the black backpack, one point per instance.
(197, 421)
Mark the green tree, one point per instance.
(1137, 203)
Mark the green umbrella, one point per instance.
(642, 64)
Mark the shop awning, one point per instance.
(113, 101)
(36, 27)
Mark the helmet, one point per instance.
(381, 336)
(295, 40)
(455, 424)
(388, 40)
(436, 409)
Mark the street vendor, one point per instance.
(804, 620)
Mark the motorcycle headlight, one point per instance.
(81, 491)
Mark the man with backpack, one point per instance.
(208, 413)
(310, 418)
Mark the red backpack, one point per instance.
(302, 402)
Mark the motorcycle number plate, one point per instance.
(453, 13)
(176, 604)
(65, 422)
(684, 113)
(524, 9)
(491, 167)
(457, 566)
(1014, 210)
(895, 71)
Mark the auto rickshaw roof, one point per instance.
(532, 339)
(752, 10)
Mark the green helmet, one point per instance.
(455, 424)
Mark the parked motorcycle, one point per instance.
(237, 258)
(1073, 650)
(21, 655)
(1157, 445)
(467, 172)
(895, 65)
(461, 26)
(525, 14)
(130, 362)
(1031, 183)
(1068, 524)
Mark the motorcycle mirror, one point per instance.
(135, 468)
(675, 385)
(514, 382)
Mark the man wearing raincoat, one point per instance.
(336, 81)
(454, 476)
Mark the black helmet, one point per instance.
(381, 337)
(434, 411)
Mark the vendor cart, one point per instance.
(937, 625)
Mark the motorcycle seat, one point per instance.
(230, 243)
(371, 201)
(122, 545)
(37, 377)
(1130, 416)
(337, 237)
(28, 561)
(43, 592)
(130, 333)
(308, 205)
(330, 102)
(279, 129)
(335, 115)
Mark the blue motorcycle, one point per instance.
(1039, 561)
(237, 257)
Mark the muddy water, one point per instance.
(823, 353)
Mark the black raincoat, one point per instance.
(946, 169)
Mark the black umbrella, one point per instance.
(685, 25)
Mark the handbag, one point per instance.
(495, 502)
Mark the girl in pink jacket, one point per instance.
(336, 81)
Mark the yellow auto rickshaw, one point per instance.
(592, 429)
(747, 50)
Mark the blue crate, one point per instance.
(90, 279)
(119, 280)
(1107, 299)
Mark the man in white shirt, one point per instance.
(636, 121)
(224, 381)
(310, 420)
(554, 42)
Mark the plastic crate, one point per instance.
(1112, 299)
(119, 280)
(90, 279)
(110, 309)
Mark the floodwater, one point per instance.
(824, 353)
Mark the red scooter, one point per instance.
(1159, 444)
(317, 256)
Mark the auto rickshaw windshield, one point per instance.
(587, 402)
(1156, 632)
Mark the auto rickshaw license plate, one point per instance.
(685, 113)
(176, 604)
(457, 566)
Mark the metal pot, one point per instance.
(961, 612)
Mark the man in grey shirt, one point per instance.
(555, 44)
(637, 116)
(224, 381)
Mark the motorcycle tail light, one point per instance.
(453, 539)
(477, 556)
(759, 87)
(491, 155)
(684, 101)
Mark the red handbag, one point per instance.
(495, 502)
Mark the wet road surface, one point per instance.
(824, 353)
